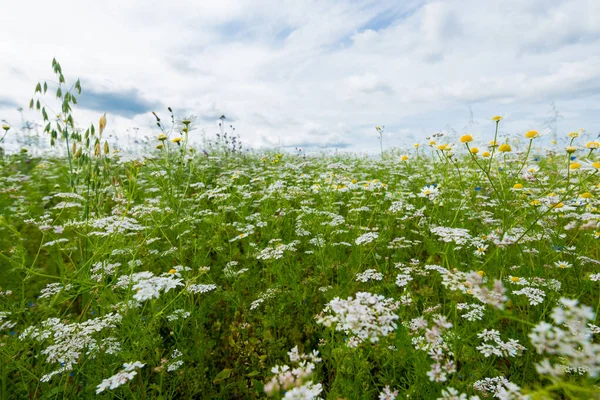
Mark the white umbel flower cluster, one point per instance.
(569, 337)
(147, 286)
(71, 340)
(368, 316)
(120, 378)
(295, 382)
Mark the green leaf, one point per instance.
(226, 373)
(74, 100)
(253, 373)
(258, 386)
(44, 114)
(37, 105)
(48, 127)
(78, 86)
(61, 78)
(59, 92)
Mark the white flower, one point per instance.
(367, 316)
(120, 378)
(431, 192)
(366, 238)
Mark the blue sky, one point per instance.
(312, 73)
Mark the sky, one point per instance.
(311, 74)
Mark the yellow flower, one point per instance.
(474, 150)
(172, 271)
(497, 118)
(6, 127)
(592, 145)
(574, 166)
(518, 186)
(466, 139)
(486, 154)
(586, 195)
(596, 165)
(571, 149)
(177, 139)
(504, 148)
(515, 279)
(532, 134)
(558, 205)
(160, 146)
(443, 147)
(481, 273)
(493, 143)
(162, 136)
(404, 157)
(432, 143)
(417, 145)
(573, 134)
(535, 202)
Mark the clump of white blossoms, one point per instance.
(366, 238)
(494, 345)
(388, 394)
(71, 340)
(474, 312)
(369, 275)
(295, 382)
(147, 286)
(570, 337)
(277, 252)
(473, 284)
(368, 316)
(120, 378)
(500, 388)
(5, 323)
(433, 341)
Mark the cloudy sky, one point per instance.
(311, 73)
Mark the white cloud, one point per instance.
(321, 73)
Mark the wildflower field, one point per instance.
(458, 269)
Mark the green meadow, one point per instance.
(457, 268)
